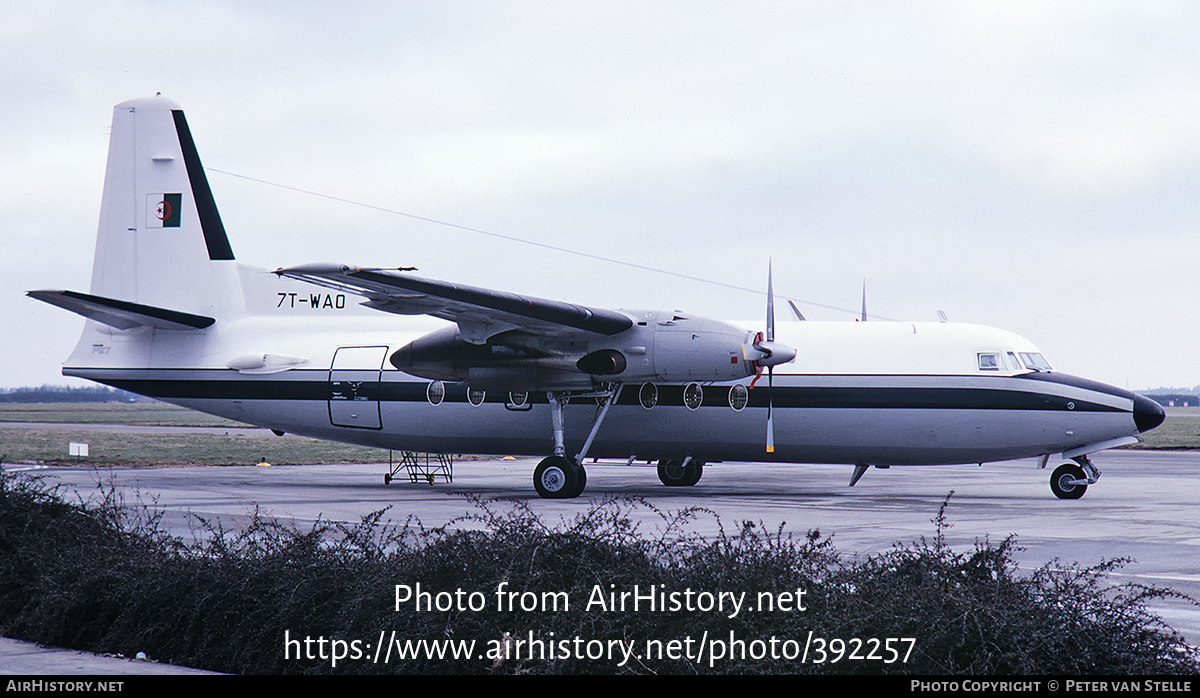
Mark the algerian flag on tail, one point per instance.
(163, 210)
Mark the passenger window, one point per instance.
(436, 392)
(989, 362)
(739, 397)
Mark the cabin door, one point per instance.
(354, 387)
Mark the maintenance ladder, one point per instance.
(421, 467)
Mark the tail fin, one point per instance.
(161, 242)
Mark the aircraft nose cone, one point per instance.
(1147, 414)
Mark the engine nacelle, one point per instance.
(661, 346)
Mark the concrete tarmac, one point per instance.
(19, 658)
(1142, 508)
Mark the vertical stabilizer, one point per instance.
(161, 241)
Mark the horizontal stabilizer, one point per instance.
(122, 315)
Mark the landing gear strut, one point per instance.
(560, 476)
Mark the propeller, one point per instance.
(770, 353)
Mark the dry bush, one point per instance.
(104, 577)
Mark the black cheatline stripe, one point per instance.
(668, 395)
(930, 398)
(879, 398)
(210, 220)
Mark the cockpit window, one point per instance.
(1035, 362)
(989, 362)
(1012, 359)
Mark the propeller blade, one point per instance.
(770, 304)
(770, 354)
(770, 406)
(770, 368)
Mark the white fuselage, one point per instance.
(881, 393)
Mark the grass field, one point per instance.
(1181, 430)
(148, 414)
(49, 445)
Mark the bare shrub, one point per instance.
(104, 577)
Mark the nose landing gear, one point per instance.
(1070, 481)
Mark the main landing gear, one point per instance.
(1070, 481)
(561, 476)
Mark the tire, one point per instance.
(582, 480)
(673, 473)
(1062, 481)
(558, 478)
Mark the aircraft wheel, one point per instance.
(673, 473)
(558, 478)
(582, 479)
(1062, 482)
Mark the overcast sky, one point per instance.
(1028, 165)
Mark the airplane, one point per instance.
(384, 358)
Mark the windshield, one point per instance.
(1035, 361)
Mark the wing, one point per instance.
(479, 312)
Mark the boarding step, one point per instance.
(421, 467)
